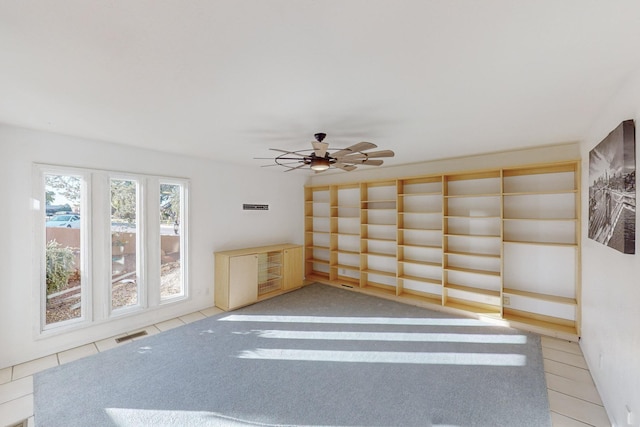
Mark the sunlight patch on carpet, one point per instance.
(392, 336)
(466, 359)
(413, 321)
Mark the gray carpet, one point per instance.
(318, 356)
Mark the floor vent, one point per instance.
(347, 286)
(131, 336)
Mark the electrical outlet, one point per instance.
(506, 300)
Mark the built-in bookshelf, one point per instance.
(502, 243)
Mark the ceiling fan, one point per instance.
(322, 158)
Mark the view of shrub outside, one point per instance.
(63, 251)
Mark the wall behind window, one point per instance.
(217, 222)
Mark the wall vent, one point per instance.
(253, 207)
(131, 336)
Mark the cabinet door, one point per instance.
(243, 280)
(292, 264)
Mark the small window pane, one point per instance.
(63, 277)
(171, 226)
(124, 248)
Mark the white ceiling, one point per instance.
(229, 79)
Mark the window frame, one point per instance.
(183, 233)
(95, 232)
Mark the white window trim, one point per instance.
(184, 244)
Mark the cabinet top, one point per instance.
(259, 249)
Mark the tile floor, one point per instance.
(573, 397)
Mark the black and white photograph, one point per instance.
(612, 189)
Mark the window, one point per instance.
(171, 232)
(65, 248)
(98, 242)
(125, 280)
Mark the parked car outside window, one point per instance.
(57, 209)
(69, 221)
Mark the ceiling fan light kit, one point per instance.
(320, 164)
(322, 158)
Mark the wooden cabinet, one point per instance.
(503, 243)
(245, 276)
(292, 268)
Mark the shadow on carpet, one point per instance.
(318, 356)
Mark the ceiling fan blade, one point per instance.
(382, 153)
(363, 162)
(360, 146)
(342, 166)
(285, 164)
(297, 167)
(278, 158)
(287, 152)
(320, 148)
(354, 156)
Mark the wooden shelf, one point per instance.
(473, 254)
(419, 246)
(421, 279)
(379, 272)
(536, 193)
(523, 242)
(343, 251)
(543, 297)
(379, 254)
(472, 216)
(420, 213)
(473, 271)
(459, 196)
(482, 236)
(413, 261)
(470, 308)
(378, 239)
(324, 248)
(558, 327)
(420, 229)
(438, 193)
(542, 219)
(379, 201)
(317, 261)
(347, 267)
(472, 290)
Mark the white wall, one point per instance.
(544, 154)
(611, 287)
(217, 222)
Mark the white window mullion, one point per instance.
(101, 247)
(142, 260)
(152, 243)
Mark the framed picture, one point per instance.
(612, 189)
